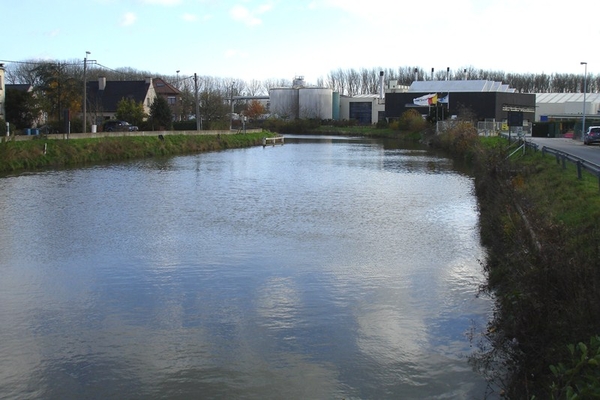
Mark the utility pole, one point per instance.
(197, 104)
(85, 92)
(584, 99)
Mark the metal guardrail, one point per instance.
(562, 157)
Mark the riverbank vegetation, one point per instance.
(41, 153)
(540, 225)
(410, 127)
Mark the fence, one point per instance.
(561, 157)
(494, 128)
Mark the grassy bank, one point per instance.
(40, 153)
(409, 130)
(368, 131)
(541, 226)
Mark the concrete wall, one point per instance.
(377, 105)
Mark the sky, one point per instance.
(281, 39)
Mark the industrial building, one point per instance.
(566, 106)
(485, 100)
(366, 109)
(561, 113)
(301, 101)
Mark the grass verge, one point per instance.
(34, 154)
(541, 226)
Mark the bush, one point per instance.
(461, 139)
(579, 376)
(291, 126)
(382, 124)
(184, 125)
(412, 121)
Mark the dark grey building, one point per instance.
(486, 100)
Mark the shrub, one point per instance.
(579, 376)
(291, 126)
(184, 125)
(411, 121)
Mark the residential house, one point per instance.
(103, 97)
(171, 94)
(42, 117)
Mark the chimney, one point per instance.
(465, 72)
(381, 85)
(101, 83)
(431, 73)
(416, 74)
(447, 73)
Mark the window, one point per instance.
(171, 100)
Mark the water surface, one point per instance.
(326, 268)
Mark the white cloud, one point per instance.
(128, 19)
(263, 8)
(242, 14)
(161, 2)
(189, 17)
(250, 17)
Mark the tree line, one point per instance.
(354, 82)
(348, 81)
(57, 85)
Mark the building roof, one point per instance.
(164, 88)
(21, 87)
(459, 86)
(556, 98)
(365, 96)
(115, 91)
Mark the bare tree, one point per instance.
(254, 88)
(353, 78)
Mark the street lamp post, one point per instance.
(584, 94)
(177, 103)
(85, 92)
(198, 122)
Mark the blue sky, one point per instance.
(275, 39)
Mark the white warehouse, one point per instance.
(301, 101)
(367, 109)
(566, 106)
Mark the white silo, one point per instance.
(315, 102)
(284, 102)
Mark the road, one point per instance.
(575, 147)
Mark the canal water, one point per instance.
(327, 268)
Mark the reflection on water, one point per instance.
(336, 268)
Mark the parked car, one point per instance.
(118, 126)
(592, 135)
